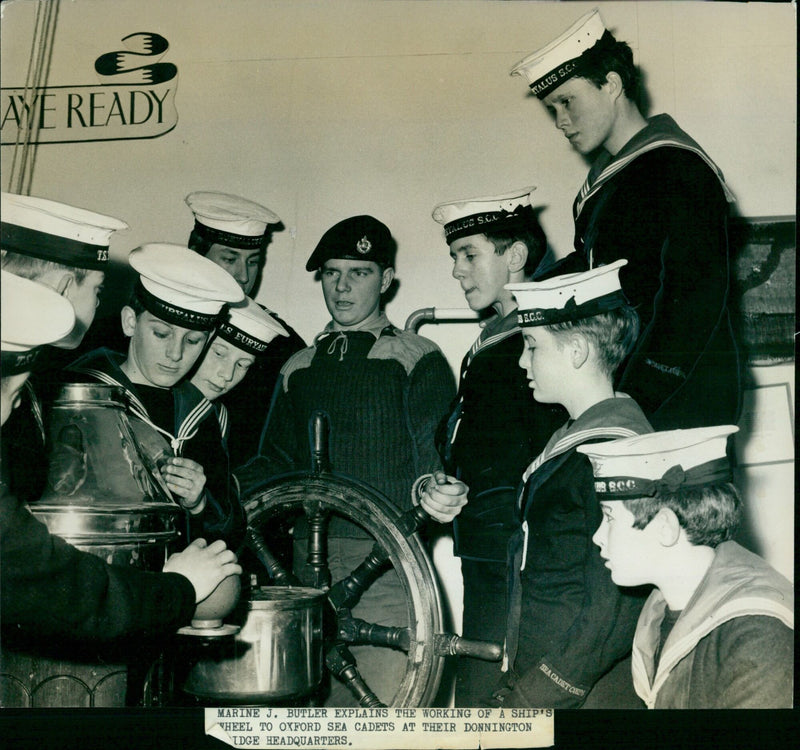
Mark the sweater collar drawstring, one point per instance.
(343, 348)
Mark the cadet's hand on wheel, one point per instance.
(443, 497)
(187, 480)
(205, 565)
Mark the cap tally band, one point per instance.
(571, 68)
(488, 221)
(14, 363)
(240, 241)
(238, 337)
(52, 247)
(572, 311)
(178, 316)
(711, 472)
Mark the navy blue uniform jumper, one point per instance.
(662, 204)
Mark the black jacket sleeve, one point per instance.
(49, 588)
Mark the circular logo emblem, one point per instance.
(363, 245)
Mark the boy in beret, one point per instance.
(64, 248)
(384, 390)
(176, 304)
(234, 233)
(494, 427)
(569, 626)
(51, 592)
(654, 197)
(718, 629)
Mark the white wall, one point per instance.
(324, 109)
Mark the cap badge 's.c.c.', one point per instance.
(363, 245)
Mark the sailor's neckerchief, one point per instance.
(661, 131)
(494, 330)
(376, 327)
(190, 423)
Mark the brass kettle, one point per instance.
(105, 493)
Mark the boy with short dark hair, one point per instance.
(569, 626)
(656, 198)
(718, 630)
(493, 428)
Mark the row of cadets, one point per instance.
(176, 305)
(494, 427)
(654, 197)
(653, 508)
(384, 390)
(717, 631)
(51, 593)
(234, 233)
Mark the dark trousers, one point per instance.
(484, 619)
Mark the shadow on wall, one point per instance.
(763, 311)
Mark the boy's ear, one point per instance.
(614, 85)
(668, 527)
(128, 318)
(579, 349)
(516, 256)
(64, 283)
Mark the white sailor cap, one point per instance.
(54, 231)
(182, 287)
(645, 465)
(250, 327)
(230, 220)
(571, 296)
(31, 315)
(547, 68)
(469, 216)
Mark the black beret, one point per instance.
(356, 238)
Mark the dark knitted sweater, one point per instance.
(384, 391)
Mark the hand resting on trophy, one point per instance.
(205, 565)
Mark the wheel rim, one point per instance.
(359, 503)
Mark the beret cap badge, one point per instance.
(361, 238)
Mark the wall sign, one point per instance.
(135, 99)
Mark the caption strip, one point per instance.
(382, 728)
